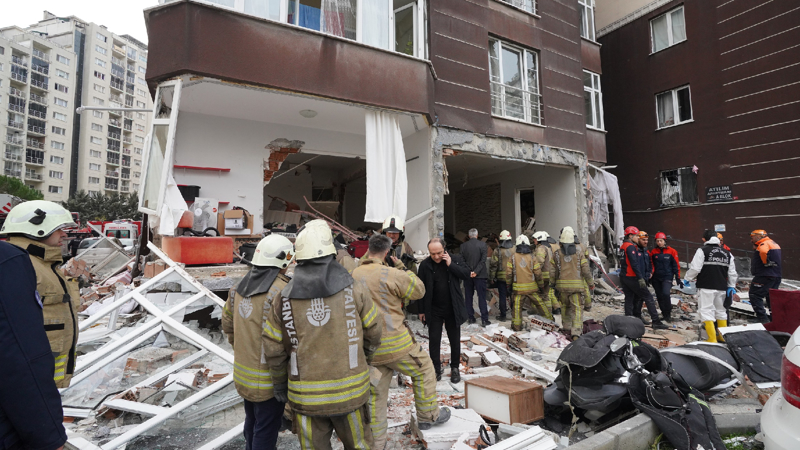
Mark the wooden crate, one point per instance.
(505, 400)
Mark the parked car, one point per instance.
(781, 415)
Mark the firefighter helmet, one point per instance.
(631, 230)
(661, 235)
(523, 240)
(505, 235)
(274, 251)
(393, 224)
(314, 240)
(37, 219)
(567, 235)
(541, 236)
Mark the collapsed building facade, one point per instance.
(498, 109)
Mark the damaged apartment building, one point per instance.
(479, 113)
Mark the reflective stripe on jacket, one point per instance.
(766, 261)
(524, 271)
(498, 262)
(544, 254)
(572, 270)
(665, 263)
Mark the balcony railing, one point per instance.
(33, 143)
(13, 173)
(34, 160)
(117, 61)
(38, 98)
(10, 139)
(111, 187)
(116, 136)
(19, 61)
(127, 140)
(111, 160)
(115, 122)
(36, 129)
(15, 92)
(39, 84)
(37, 114)
(117, 86)
(41, 55)
(111, 173)
(13, 156)
(126, 176)
(127, 128)
(41, 69)
(126, 162)
(112, 147)
(115, 98)
(17, 125)
(128, 114)
(33, 176)
(126, 151)
(124, 189)
(118, 49)
(16, 108)
(19, 77)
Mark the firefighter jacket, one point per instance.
(524, 271)
(572, 270)
(499, 261)
(632, 261)
(544, 254)
(347, 261)
(243, 320)
(665, 264)
(323, 347)
(390, 288)
(60, 299)
(766, 260)
(402, 251)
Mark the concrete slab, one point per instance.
(634, 434)
(442, 437)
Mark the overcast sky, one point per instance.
(120, 16)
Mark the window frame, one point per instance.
(670, 37)
(589, 5)
(597, 95)
(679, 172)
(56, 158)
(675, 107)
(525, 88)
(62, 60)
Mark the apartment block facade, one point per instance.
(107, 70)
(37, 84)
(702, 113)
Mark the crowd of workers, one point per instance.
(328, 340)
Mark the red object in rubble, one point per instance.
(785, 309)
(357, 249)
(196, 250)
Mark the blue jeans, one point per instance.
(663, 288)
(262, 423)
(470, 286)
(502, 292)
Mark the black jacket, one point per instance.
(474, 253)
(458, 271)
(30, 405)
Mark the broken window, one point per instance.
(678, 187)
(674, 107)
(514, 76)
(159, 150)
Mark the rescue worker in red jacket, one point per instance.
(634, 279)
(766, 269)
(666, 267)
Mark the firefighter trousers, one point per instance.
(417, 365)
(314, 432)
(553, 298)
(537, 303)
(572, 313)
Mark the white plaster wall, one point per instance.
(419, 173)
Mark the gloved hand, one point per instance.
(685, 283)
(281, 392)
(731, 292)
(642, 283)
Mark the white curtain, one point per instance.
(660, 33)
(339, 18)
(678, 26)
(666, 111)
(376, 23)
(605, 191)
(387, 182)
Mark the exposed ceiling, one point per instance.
(472, 166)
(261, 105)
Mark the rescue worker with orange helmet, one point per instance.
(766, 269)
(666, 267)
(634, 279)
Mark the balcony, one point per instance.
(115, 98)
(18, 61)
(126, 151)
(115, 122)
(14, 92)
(13, 156)
(11, 140)
(116, 136)
(16, 125)
(111, 160)
(33, 176)
(41, 99)
(112, 174)
(40, 69)
(128, 114)
(118, 86)
(117, 61)
(33, 143)
(112, 147)
(127, 127)
(38, 114)
(22, 78)
(118, 49)
(126, 162)
(127, 140)
(117, 73)
(35, 129)
(131, 68)
(126, 176)
(124, 189)
(41, 55)
(39, 84)
(16, 108)
(32, 160)
(111, 187)
(12, 173)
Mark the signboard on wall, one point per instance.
(716, 194)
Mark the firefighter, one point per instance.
(390, 288)
(243, 320)
(525, 273)
(320, 337)
(666, 267)
(544, 255)
(766, 269)
(553, 294)
(571, 270)
(634, 280)
(715, 272)
(394, 227)
(497, 269)
(38, 227)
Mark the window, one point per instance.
(59, 130)
(61, 74)
(139, 127)
(141, 104)
(60, 102)
(55, 189)
(101, 37)
(143, 58)
(137, 150)
(526, 5)
(668, 29)
(57, 145)
(61, 88)
(140, 116)
(587, 18)
(141, 92)
(142, 69)
(98, 114)
(62, 59)
(97, 127)
(97, 74)
(93, 166)
(95, 140)
(678, 187)
(98, 101)
(99, 62)
(100, 50)
(674, 107)
(55, 174)
(56, 159)
(141, 81)
(98, 88)
(94, 180)
(59, 116)
(593, 99)
(514, 76)
(139, 140)
(137, 174)
(95, 154)
(2, 51)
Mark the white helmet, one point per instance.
(274, 251)
(505, 235)
(393, 224)
(314, 240)
(541, 236)
(522, 239)
(37, 219)
(567, 235)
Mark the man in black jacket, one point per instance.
(443, 303)
(30, 405)
(474, 253)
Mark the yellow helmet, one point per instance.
(274, 251)
(314, 240)
(37, 219)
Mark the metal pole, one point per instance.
(81, 109)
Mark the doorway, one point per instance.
(526, 208)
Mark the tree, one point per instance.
(15, 187)
(113, 206)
